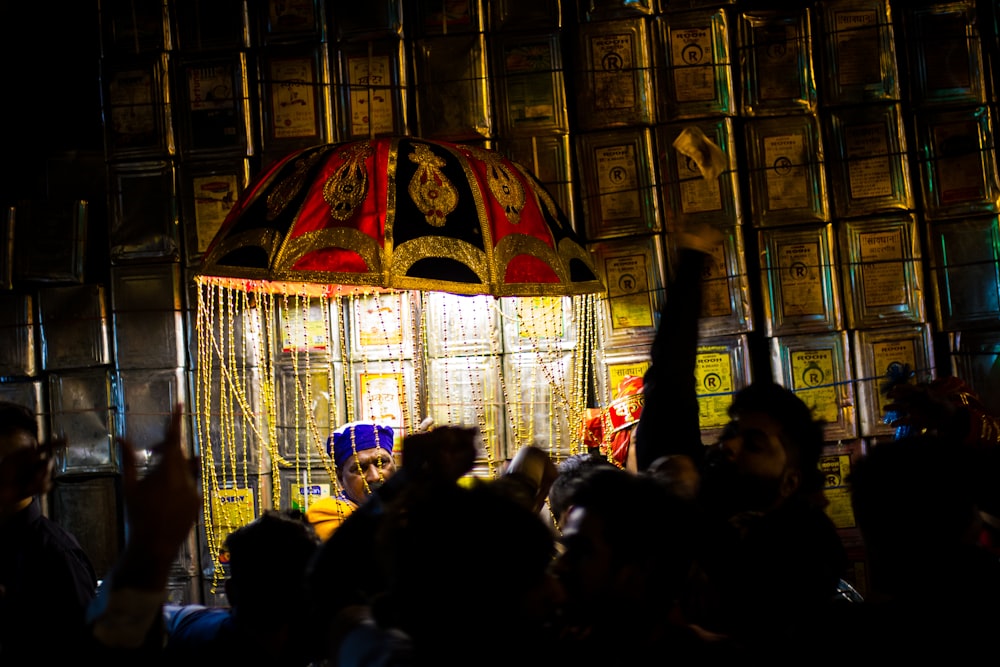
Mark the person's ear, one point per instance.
(791, 482)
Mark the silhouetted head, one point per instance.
(268, 558)
(769, 452)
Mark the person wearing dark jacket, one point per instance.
(46, 578)
(768, 559)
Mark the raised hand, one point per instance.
(161, 509)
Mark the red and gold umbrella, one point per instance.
(403, 213)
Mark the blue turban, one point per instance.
(357, 436)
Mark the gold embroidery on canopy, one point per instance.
(430, 190)
(568, 249)
(265, 239)
(513, 245)
(407, 254)
(548, 202)
(347, 186)
(506, 188)
(286, 190)
(336, 237)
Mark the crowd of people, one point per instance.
(658, 550)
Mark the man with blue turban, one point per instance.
(363, 455)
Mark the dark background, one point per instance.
(52, 138)
(51, 101)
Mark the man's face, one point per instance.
(366, 471)
(749, 468)
(12, 442)
(20, 481)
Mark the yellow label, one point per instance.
(889, 357)
(883, 281)
(540, 317)
(716, 300)
(835, 470)
(380, 321)
(628, 291)
(231, 509)
(382, 398)
(303, 334)
(801, 279)
(312, 492)
(714, 381)
(618, 372)
(813, 380)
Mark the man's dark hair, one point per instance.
(570, 471)
(268, 559)
(642, 522)
(890, 502)
(15, 417)
(801, 433)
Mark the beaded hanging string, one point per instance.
(577, 365)
(507, 407)
(344, 305)
(355, 306)
(205, 326)
(225, 435)
(563, 361)
(418, 354)
(602, 397)
(446, 397)
(477, 381)
(591, 323)
(306, 421)
(552, 332)
(243, 410)
(561, 386)
(534, 398)
(526, 374)
(297, 338)
(511, 374)
(230, 395)
(406, 417)
(328, 308)
(555, 371)
(392, 367)
(260, 312)
(494, 406)
(224, 348)
(288, 338)
(225, 312)
(342, 332)
(583, 367)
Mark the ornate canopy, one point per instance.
(402, 213)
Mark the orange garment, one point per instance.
(326, 515)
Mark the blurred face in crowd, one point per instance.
(12, 441)
(365, 471)
(16, 440)
(585, 567)
(749, 469)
